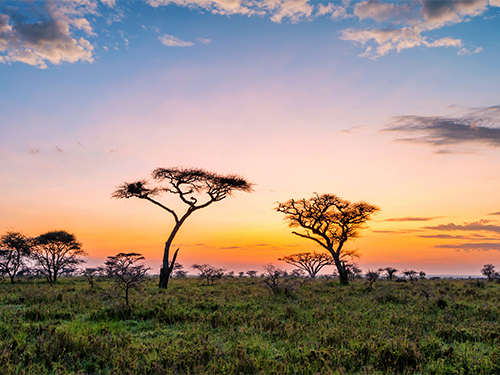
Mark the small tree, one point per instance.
(488, 270)
(90, 274)
(390, 271)
(127, 273)
(241, 274)
(56, 252)
(311, 263)
(371, 277)
(179, 270)
(410, 274)
(197, 188)
(209, 272)
(252, 273)
(14, 249)
(329, 221)
(274, 277)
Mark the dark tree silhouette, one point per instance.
(90, 274)
(329, 221)
(311, 263)
(14, 249)
(391, 271)
(488, 270)
(252, 273)
(410, 274)
(126, 272)
(197, 188)
(209, 272)
(371, 277)
(56, 252)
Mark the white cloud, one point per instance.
(48, 39)
(478, 49)
(495, 3)
(463, 52)
(172, 41)
(204, 40)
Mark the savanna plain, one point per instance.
(237, 325)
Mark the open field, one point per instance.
(237, 326)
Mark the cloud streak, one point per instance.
(483, 246)
(481, 225)
(172, 41)
(412, 218)
(480, 126)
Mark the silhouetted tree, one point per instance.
(125, 270)
(410, 274)
(241, 274)
(274, 277)
(197, 188)
(488, 270)
(311, 263)
(252, 273)
(209, 272)
(329, 221)
(14, 249)
(55, 253)
(179, 270)
(371, 277)
(90, 273)
(391, 271)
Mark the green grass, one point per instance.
(237, 326)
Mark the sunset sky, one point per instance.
(394, 103)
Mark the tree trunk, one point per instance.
(343, 275)
(167, 266)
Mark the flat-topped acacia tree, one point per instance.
(329, 221)
(197, 188)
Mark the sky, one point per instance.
(393, 103)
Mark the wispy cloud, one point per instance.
(482, 246)
(412, 218)
(495, 213)
(172, 41)
(36, 35)
(477, 126)
(481, 225)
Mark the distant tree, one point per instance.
(230, 274)
(126, 271)
(179, 270)
(410, 274)
(311, 263)
(56, 253)
(14, 249)
(274, 277)
(391, 271)
(241, 274)
(252, 273)
(488, 270)
(422, 274)
(353, 271)
(371, 277)
(330, 222)
(209, 272)
(197, 188)
(90, 273)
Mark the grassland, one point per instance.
(237, 326)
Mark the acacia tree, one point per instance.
(488, 270)
(197, 188)
(56, 252)
(312, 263)
(14, 248)
(208, 272)
(125, 270)
(329, 221)
(391, 271)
